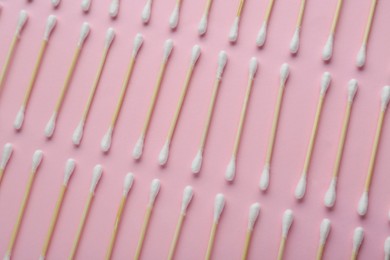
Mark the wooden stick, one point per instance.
(369, 22)
(336, 17)
(208, 7)
(320, 252)
(211, 241)
(301, 13)
(269, 10)
(1, 174)
(354, 255)
(240, 7)
(282, 248)
(176, 237)
(248, 239)
(143, 232)
(116, 226)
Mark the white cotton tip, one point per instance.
(147, 11)
(197, 162)
(37, 159)
(352, 89)
(96, 175)
(50, 24)
(55, 3)
(231, 169)
(114, 8)
(22, 20)
(202, 28)
(42, 257)
(301, 188)
(387, 247)
(78, 133)
(385, 96)
(7, 256)
(330, 195)
(363, 204)
(51, 125)
(233, 35)
(138, 148)
(69, 169)
(174, 18)
(284, 72)
(358, 236)
(261, 37)
(164, 153)
(325, 82)
(85, 29)
(127, 183)
(188, 193)
(253, 64)
(7, 152)
(324, 230)
(154, 189)
(218, 206)
(294, 44)
(264, 179)
(168, 46)
(254, 211)
(19, 118)
(361, 56)
(110, 35)
(222, 60)
(288, 218)
(195, 54)
(138, 40)
(106, 141)
(328, 48)
(85, 5)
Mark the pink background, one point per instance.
(295, 126)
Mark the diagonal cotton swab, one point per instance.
(358, 236)
(128, 183)
(50, 126)
(69, 168)
(231, 168)
(147, 11)
(174, 18)
(114, 8)
(78, 133)
(330, 196)
(219, 205)
(50, 24)
(295, 41)
(324, 232)
(164, 153)
(202, 28)
(197, 162)
(264, 179)
(233, 34)
(6, 155)
(106, 141)
(254, 211)
(262, 35)
(36, 161)
(154, 190)
(22, 20)
(301, 187)
(187, 197)
(363, 202)
(85, 5)
(96, 176)
(288, 218)
(138, 148)
(328, 48)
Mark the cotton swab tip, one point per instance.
(358, 236)
(363, 204)
(78, 133)
(284, 73)
(188, 193)
(85, 29)
(146, 12)
(138, 40)
(19, 118)
(164, 154)
(37, 159)
(168, 46)
(294, 44)
(222, 60)
(254, 211)
(110, 35)
(324, 230)
(106, 141)
(96, 175)
(330, 195)
(328, 48)
(7, 152)
(203, 25)
(301, 188)
(197, 162)
(253, 64)
(41, 257)
(154, 190)
(138, 148)
(231, 169)
(385, 96)
(387, 246)
(261, 37)
(128, 183)
(174, 18)
(288, 218)
(22, 20)
(69, 169)
(233, 34)
(218, 206)
(195, 54)
(51, 23)
(7, 256)
(55, 3)
(361, 57)
(264, 179)
(114, 8)
(352, 89)
(85, 5)
(51, 125)
(325, 82)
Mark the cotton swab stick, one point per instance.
(128, 183)
(147, 11)
(85, 5)
(154, 190)
(174, 18)
(97, 174)
(138, 148)
(55, 3)
(288, 218)
(261, 37)
(254, 211)
(361, 56)
(219, 205)
(233, 34)
(197, 162)
(114, 8)
(202, 28)
(164, 153)
(387, 248)
(50, 126)
(36, 161)
(51, 22)
(23, 16)
(106, 141)
(328, 48)
(324, 232)
(7, 152)
(69, 169)
(294, 44)
(301, 187)
(187, 197)
(264, 179)
(358, 236)
(231, 168)
(330, 195)
(363, 202)
(78, 133)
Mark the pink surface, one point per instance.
(293, 134)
